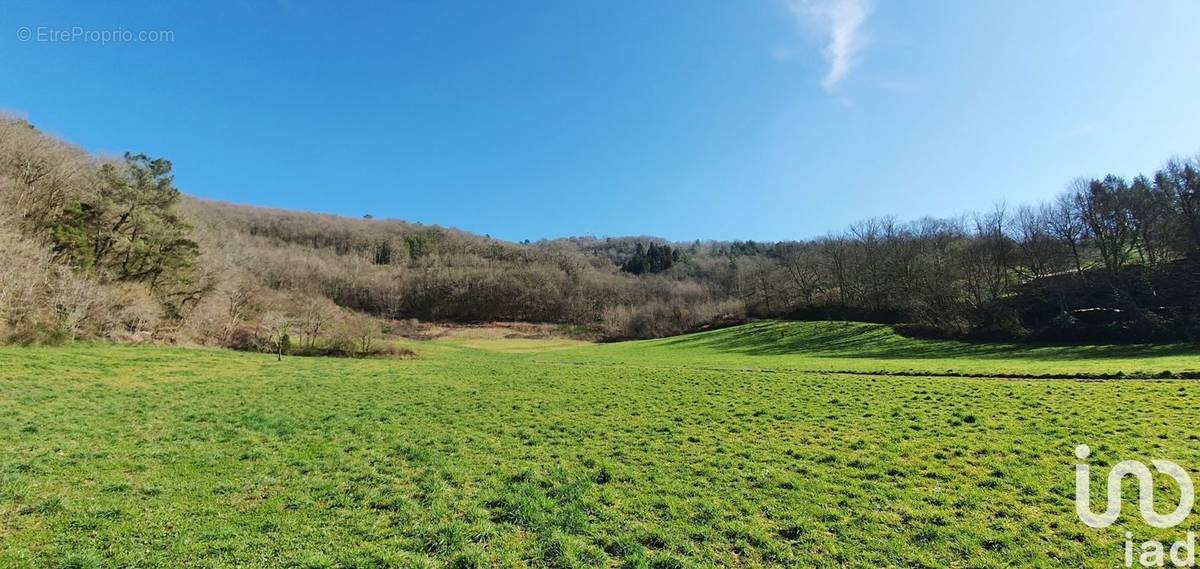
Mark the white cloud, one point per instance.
(840, 22)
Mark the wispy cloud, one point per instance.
(840, 23)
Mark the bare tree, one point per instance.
(361, 333)
(274, 328)
(1180, 182)
(1066, 223)
(316, 315)
(73, 297)
(802, 265)
(994, 250)
(1040, 254)
(1105, 208)
(1153, 221)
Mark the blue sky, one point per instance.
(756, 119)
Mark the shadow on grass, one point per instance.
(861, 340)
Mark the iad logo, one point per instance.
(1182, 553)
(1145, 491)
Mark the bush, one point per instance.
(656, 319)
(38, 334)
(1000, 324)
(132, 314)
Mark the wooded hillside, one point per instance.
(109, 248)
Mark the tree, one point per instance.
(1066, 224)
(361, 333)
(995, 248)
(274, 327)
(836, 252)
(316, 315)
(1105, 208)
(383, 253)
(801, 264)
(867, 267)
(127, 230)
(43, 175)
(653, 259)
(758, 283)
(1152, 219)
(1039, 253)
(1179, 181)
(240, 300)
(73, 298)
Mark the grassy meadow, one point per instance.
(771, 444)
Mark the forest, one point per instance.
(108, 248)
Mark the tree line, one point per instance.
(1109, 259)
(109, 248)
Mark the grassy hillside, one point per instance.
(875, 348)
(489, 451)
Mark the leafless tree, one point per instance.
(274, 327)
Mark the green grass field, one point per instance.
(733, 448)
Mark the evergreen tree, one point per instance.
(128, 230)
(651, 259)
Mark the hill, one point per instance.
(395, 269)
(99, 247)
(876, 349)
